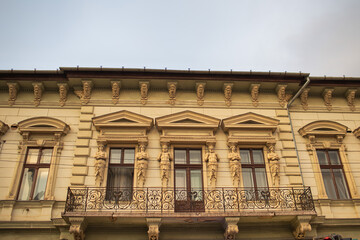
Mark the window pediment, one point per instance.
(323, 128)
(43, 125)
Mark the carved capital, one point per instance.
(327, 95)
(231, 228)
(350, 97)
(38, 91)
(13, 91)
(304, 98)
(63, 91)
(200, 92)
(144, 88)
(115, 90)
(172, 92)
(77, 227)
(301, 225)
(254, 92)
(153, 225)
(228, 93)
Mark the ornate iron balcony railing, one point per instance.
(91, 199)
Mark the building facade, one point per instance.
(90, 153)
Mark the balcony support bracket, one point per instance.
(231, 228)
(153, 224)
(301, 225)
(77, 227)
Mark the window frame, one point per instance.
(253, 166)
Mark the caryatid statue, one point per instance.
(235, 162)
(274, 164)
(164, 159)
(212, 159)
(100, 165)
(142, 163)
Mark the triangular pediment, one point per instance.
(122, 119)
(323, 128)
(249, 120)
(187, 119)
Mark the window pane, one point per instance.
(248, 178)
(180, 178)
(26, 184)
(115, 156)
(120, 177)
(329, 184)
(341, 184)
(41, 181)
(129, 156)
(196, 185)
(195, 156)
(334, 157)
(245, 156)
(180, 156)
(32, 156)
(322, 157)
(46, 155)
(260, 178)
(258, 157)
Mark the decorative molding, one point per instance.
(357, 132)
(212, 159)
(200, 92)
(235, 163)
(144, 88)
(304, 98)
(350, 97)
(324, 128)
(13, 92)
(142, 158)
(231, 227)
(301, 225)
(327, 95)
(38, 91)
(274, 159)
(63, 91)
(164, 159)
(254, 92)
(85, 93)
(3, 128)
(228, 93)
(153, 225)
(172, 92)
(282, 96)
(77, 227)
(115, 90)
(100, 164)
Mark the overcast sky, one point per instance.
(321, 37)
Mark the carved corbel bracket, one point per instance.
(301, 225)
(350, 97)
(63, 91)
(85, 93)
(77, 227)
(231, 228)
(13, 91)
(228, 93)
(153, 225)
(144, 88)
(115, 90)
(172, 92)
(304, 98)
(38, 91)
(200, 92)
(282, 96)
(254, 92)
(327, 95)
(100, 164)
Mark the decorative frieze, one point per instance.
(304, 98)
(38, 91)
(327, 95)
(228, 93)
(350, 97)
(200, 92)
(115, 90)
(142, 159)
(254, 92)
(172, 92)
(13, 91)
(212, 159)
(164, 160)
(63, 91)
(144, 88)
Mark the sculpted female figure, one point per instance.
(164, 159)
(234, 158)
(142, 163)
(100, 164)
(212, 159)
(274, 165)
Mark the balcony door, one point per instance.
(189, 195)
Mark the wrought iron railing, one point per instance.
(158, 199)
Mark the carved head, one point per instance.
(164, 148)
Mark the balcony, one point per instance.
(150, 202)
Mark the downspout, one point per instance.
(291, 126)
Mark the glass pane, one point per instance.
(248, 178)
(260, 178)
(334, 157)
(115, 156)
(46, 155)
(196, 185)
(329, 184)
(245, 156)
(258, 157)
(341, 184)
(180, 156)
(180, 178)
(41, 181)
(322, 157)
(26, 184)
(32, 156)
(195, 156)
(129, 156)
(120, 177)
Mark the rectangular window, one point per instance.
(35, 174)
(333, 174)
(253, 168)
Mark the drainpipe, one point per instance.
(291, 126)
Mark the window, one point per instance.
(333, 174)
(35, 174)
(253, 168)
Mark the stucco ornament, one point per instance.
(231, 228)
(304, 98)
(327, 94)
(350, 97)
(200, 93)
(282, 96)
(115, 90)
(142, 163)
(254, 88)
(301, 225)
(38, 91)
(235, 162)
(228, 93)
(63, 91)
(100, 164)
(164, 159)
(172, 92)
(212, 163)
(77, 227)
(153, 225)
(144, 87)
(13, 91)
(85, 93)
(274, 164)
